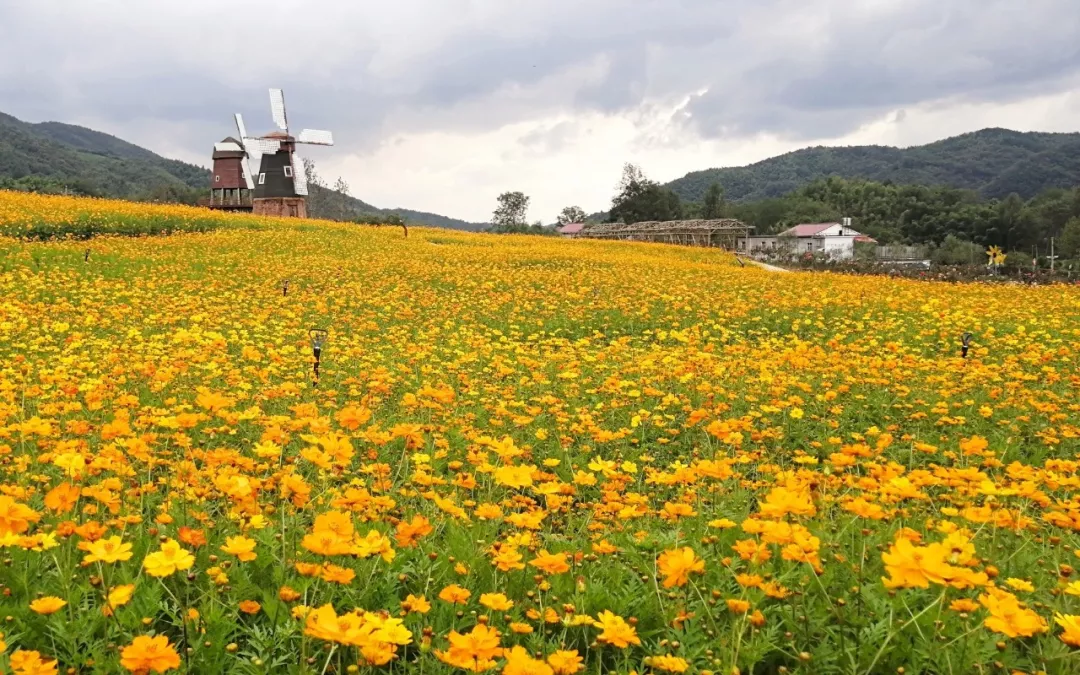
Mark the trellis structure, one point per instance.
(723, 233)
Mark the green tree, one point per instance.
(571, 214)
(1069, 243)
(511, 214)
(715, 206)
(639, 199)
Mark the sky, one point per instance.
(441, 105)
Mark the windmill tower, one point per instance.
(230, 184)
(281, 183)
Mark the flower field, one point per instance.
(522, 455)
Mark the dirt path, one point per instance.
(771, 268)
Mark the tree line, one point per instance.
(948, 219)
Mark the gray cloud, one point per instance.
(806, 69)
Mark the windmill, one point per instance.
(230, 183)
(281, 182)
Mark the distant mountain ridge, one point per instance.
(96, 163)
(992, 162)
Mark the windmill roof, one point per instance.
(277, 133)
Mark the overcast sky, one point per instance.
(440, 105)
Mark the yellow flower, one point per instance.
(171, 558)
(615, 631)
(1071, 624)
(241, 547)
(106, 550)
(47, 605)
(496, 602)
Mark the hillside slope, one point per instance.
(993, 162)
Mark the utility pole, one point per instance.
(1052, 257)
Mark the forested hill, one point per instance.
(993, 162)
(89, 162)
(54, 157)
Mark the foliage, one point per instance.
(714, 205)
(992, 162)
(956, 251)
(685, 465)
(639, 199)
(571, 214)
(916, 214)
(511, 215)
(1069, 244)
(89, 162)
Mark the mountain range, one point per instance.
(56, 155)
(993, 162)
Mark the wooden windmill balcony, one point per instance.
(234, 199)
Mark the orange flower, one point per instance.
(249, 607)
(550, 563)
(736, 606)
(48, 605)
(455, 594)
(677, 565)
(147, 654)
(520, 662)
(407, 534)
(412, 603)
(30, 663)
(62, 498)
(15, 518)
(288, 594)
(475, 650)
(1009, 617)
(192, 537)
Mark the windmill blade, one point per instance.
(277, 109)
(227, 146)
(299, 175)
(262, 146)
(315, 137)
(246, 168)
(240, 127)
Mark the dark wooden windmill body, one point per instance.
(280, 186)
(229, 183)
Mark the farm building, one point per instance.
(836, 240)
(571, 230)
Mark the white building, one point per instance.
(836, 240)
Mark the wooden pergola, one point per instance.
(722, 233)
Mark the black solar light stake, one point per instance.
(318, 338)
(86, 256)
(285, 288)
(965, 343)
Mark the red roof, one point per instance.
(806, 230)
(863, 239)
(572, 228)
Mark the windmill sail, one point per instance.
(247, 172)
(299, 175)
(240, 126)
(315, 137)
(277, 109)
